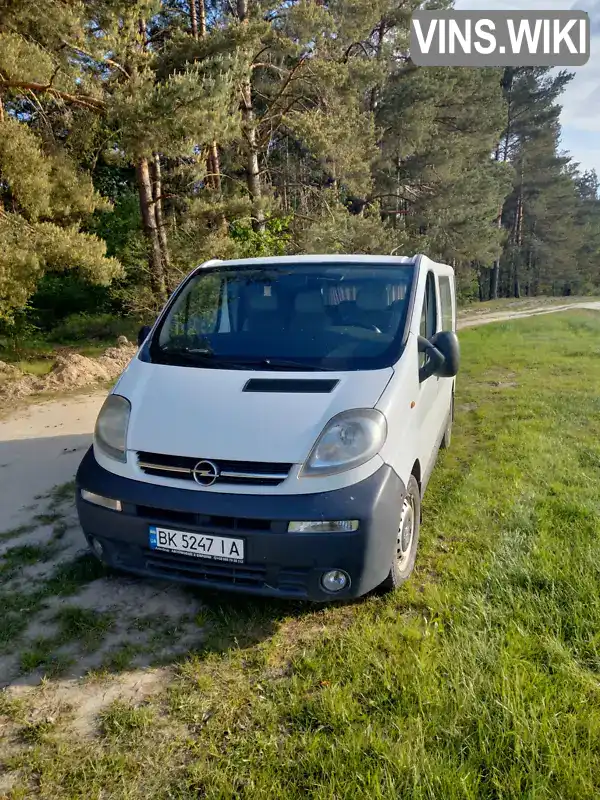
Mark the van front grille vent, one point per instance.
(210, 472)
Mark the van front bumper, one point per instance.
(277, 563)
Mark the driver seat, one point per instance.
(309, 312)
(263, 313)
(373, 307)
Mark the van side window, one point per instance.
(446, 303)
(429, 311)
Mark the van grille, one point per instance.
(247, 473)
(172, 565)
(210, 522)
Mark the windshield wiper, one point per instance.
(198, 357)
(282, 363)
(205, 357)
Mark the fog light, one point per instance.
(97, 547)
(324, 526)
(335, 580)
(100, 500)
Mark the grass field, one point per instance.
(478, 679)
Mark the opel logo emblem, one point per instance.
(205, 473)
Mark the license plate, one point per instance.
(200, 545)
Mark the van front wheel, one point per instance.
(407, 539)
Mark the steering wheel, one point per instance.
(368, 325)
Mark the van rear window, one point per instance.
(313, 316)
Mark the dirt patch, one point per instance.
(107, 641)
(70, 371)
(8, 370)
(78, 704)
(503, 384)
(104, 624)
(38, 537)
(471, 318)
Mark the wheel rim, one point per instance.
(406, 532)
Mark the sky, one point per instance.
(580, 117)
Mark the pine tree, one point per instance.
(45, 198)
(531, 214)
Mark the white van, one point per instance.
(276, 430)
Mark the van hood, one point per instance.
(207, 413)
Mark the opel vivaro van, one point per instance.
(277, 428)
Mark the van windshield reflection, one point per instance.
(301, 317)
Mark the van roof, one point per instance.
(317, 259)
(418, 260)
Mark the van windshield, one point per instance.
(329, 316)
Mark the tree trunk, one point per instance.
(507, 81)
(482, 293)
(375, 91)
(252, 163)
(213, 163)
(495, 271)
(155, 260)
(519, 234)
(194, 18)
(201, 17)
(144, 172)
(158, 213)
(251, 139)
(215, 166)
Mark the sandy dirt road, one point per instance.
(42, 446)
(502, 316)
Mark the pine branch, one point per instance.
(85, 101)
(266, 65)
(346, 55)
(107, 61)
(273, 113)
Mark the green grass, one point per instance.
(122, 721)
(37, 367)
(84, 627)
(478, 679)
(14, 533)
(19, 607)
(41, 655)
(22, 556)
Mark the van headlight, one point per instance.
(348, 440)
(110, 434)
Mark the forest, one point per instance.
(141, 137)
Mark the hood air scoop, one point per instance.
(291, 385)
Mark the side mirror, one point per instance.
(143, 334)
(434, 359)
(446, 342)
(443, 355)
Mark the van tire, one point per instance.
(403, 563)
(447, 437)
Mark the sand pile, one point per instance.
(70, 371)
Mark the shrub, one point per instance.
(81, 327)
(60, 295)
